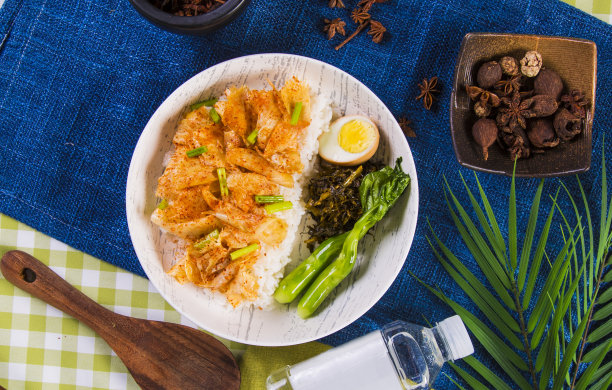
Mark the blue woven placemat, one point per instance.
(79, 80)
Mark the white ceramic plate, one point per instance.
(382, 254)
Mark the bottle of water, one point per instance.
(399, 356)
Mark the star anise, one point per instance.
(509, 86)
(428, 89)
(360, 16)
(367, 4)
(336, 4)
(515, 113)
(576, 103)
(377, 30)
(486, 97)
(404, 124)
(334, 26)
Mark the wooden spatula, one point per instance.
(159, 355)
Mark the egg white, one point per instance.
(331, 151)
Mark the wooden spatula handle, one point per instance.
(29, 274)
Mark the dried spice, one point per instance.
(548, 82)
(428, 89)
(542, 134)
(406, 127)
(509, 66)
(514, 113)
(187, 7)
(336, 4)
(531, 63)
(527, 120)
(377, 30)
(334, 26)
(484, 132)
(361, 16)
(510, 85)
(576, 103)
(488, 74)
(333, 200)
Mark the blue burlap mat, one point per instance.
(79, 80)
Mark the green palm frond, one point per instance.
(556, 337)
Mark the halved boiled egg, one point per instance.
(351, 140)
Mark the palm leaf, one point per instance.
(604, 383)
(587, 376)
(529, 234)
(469, 379)
(605, 297)
(454, 381)
(512, 235)
(487, 374)
(603, 312)
(602, 371)
(600, 332)
(593, 353)
(491, 216)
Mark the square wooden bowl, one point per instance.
(575, 60)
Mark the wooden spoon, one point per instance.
(159, 355)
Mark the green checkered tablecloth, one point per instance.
(43, 348)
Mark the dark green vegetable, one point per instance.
(333, 202)
(378, 192)
(298, 279)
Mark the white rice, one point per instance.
(269, 268)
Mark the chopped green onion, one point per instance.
(163, 204)
(280, 206)
(269, 198)
(244, 251)
(252, 138)
(207, 103)
(201, 244)
(297, 110)
(214, 115)
(197, 151)
(222, 181)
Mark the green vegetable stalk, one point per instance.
(298, 279)
(378, 192)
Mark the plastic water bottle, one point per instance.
(399, 356)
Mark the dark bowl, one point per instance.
(193, 25)
(575, 60)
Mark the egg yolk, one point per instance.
(355, 136)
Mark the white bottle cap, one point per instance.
(457, 337)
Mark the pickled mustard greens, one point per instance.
(378, 191)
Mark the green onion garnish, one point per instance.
(280, 206)
(163, 204)
(244, 251)
(214, 115)
(252, 138)
(201, 244)
(207, 103)
(197, 151)
(269, 198)
(297, 110)
(222, 181)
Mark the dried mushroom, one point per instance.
(531, 63)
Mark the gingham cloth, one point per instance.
(43, 348)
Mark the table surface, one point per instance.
(41, 347)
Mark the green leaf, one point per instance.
(605, 297)
(606, 215)
(498, 248)
(452, 380)
(587, 375)
(602, 371)
(585, 202)
(539, 254)
(482, 246)
(507, 359)
(593, 353)
(529, 234)
(483, 263)
(512, 235)
(608, 277)
(570, 352)
(603, 312)
(488, 375)
(551, 287)
(490, 306)
(485, 201)
(604, 383)
(601, 331)
(469, 379)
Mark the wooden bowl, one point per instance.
(575, 60)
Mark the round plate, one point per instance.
(381, 254)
